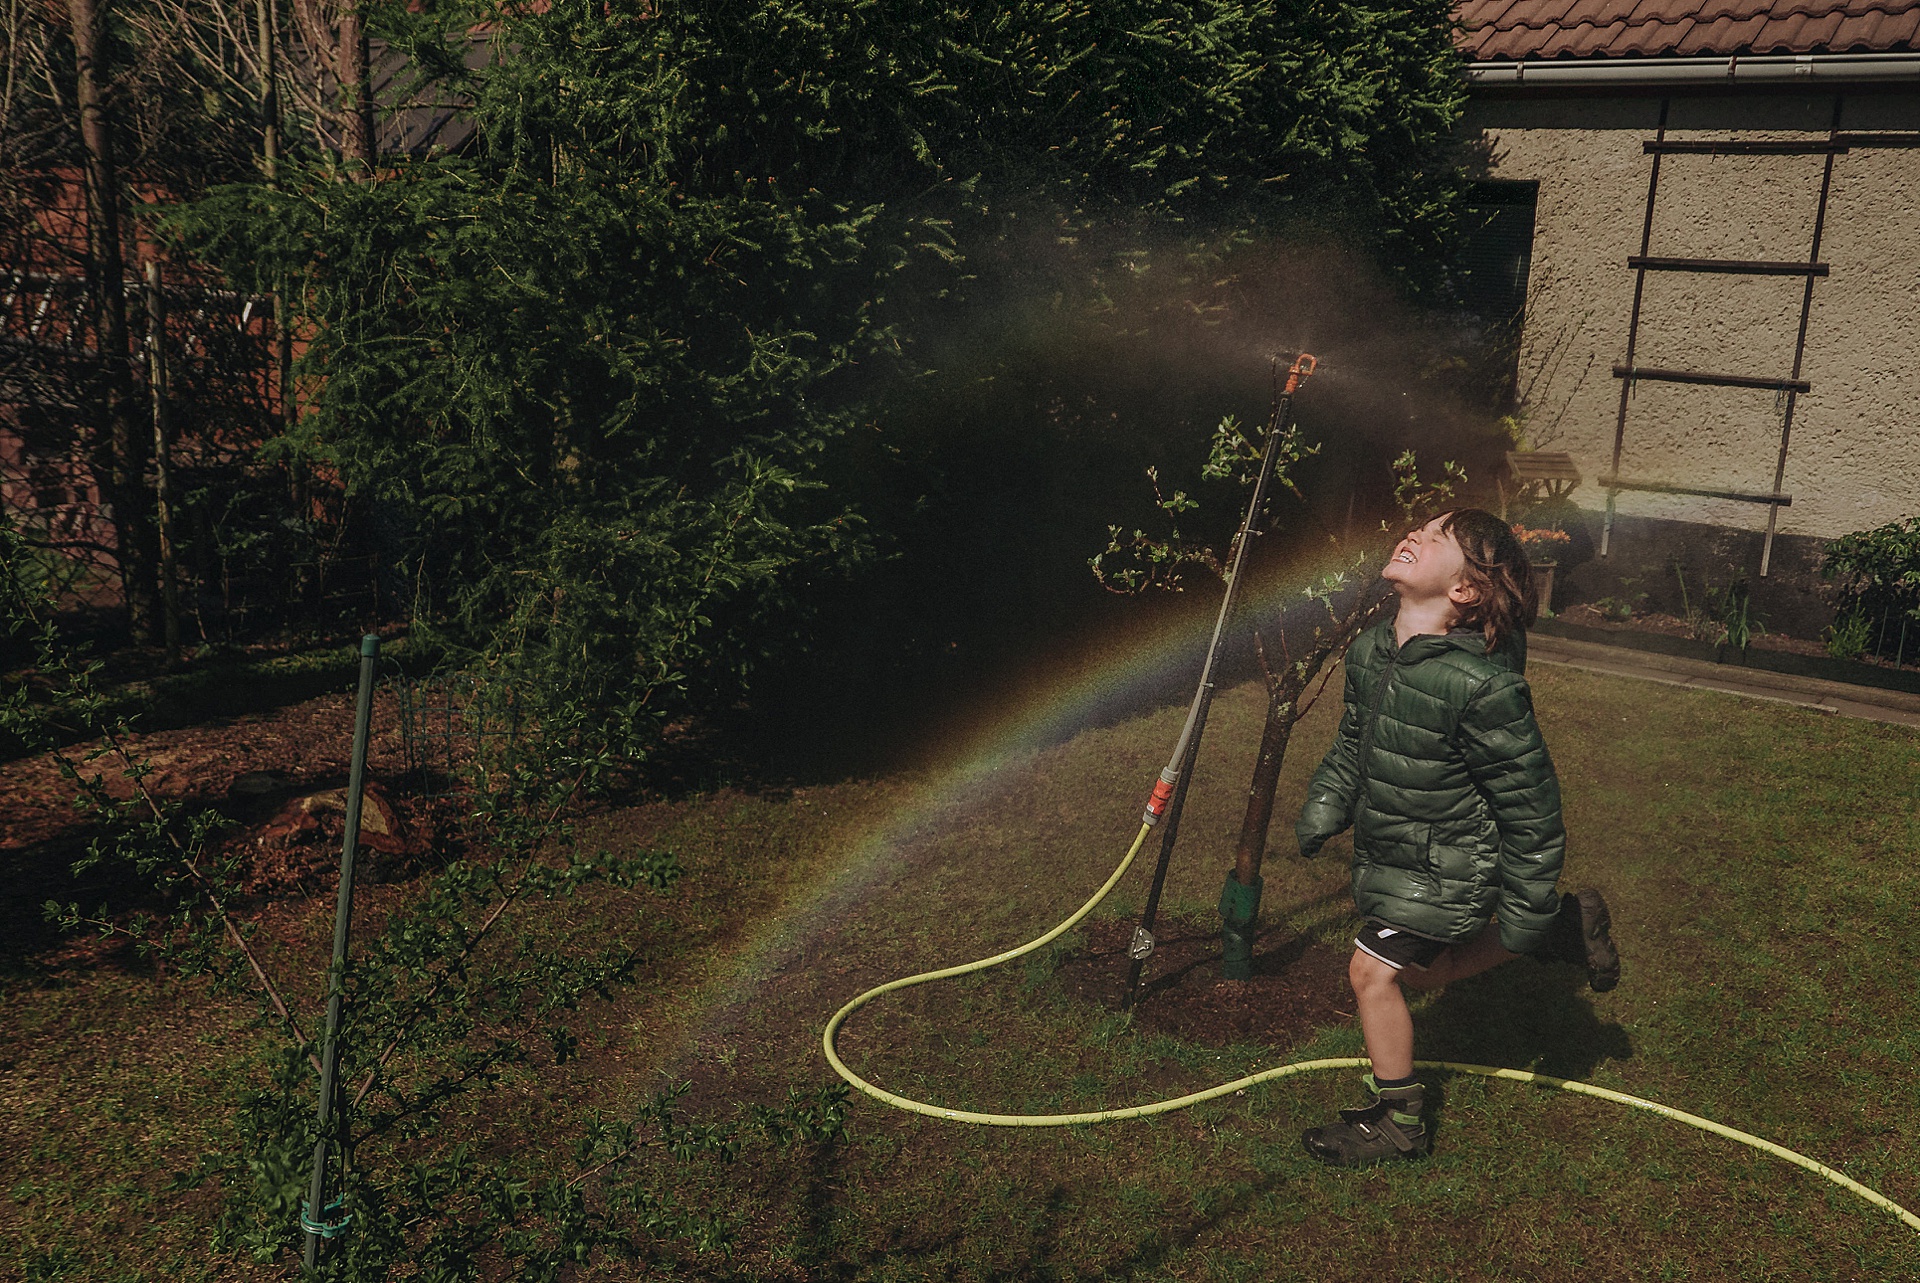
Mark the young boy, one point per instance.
(1439, 768)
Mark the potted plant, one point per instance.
(1543, 548)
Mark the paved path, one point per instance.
(1842, 698)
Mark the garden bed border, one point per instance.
(1776, 661)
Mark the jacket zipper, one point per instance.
(1366, 735)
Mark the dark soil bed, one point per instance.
(278, 780)
(1298, 985)
(1587, 616)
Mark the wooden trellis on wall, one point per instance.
(1789, 386)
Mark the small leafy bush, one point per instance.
(1848, 635)
(1701, 626)
(474, 979)
(1734, 609)
(1875, 578)
(1727, 615)
(1619, 609)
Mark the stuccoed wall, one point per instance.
(1854, 460)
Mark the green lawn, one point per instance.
(1761, 865)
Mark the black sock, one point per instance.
(1388, 1084)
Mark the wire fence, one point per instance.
(458, 725)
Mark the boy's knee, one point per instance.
(1367, 974)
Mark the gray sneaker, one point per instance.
(1390, 1128)
(1582, 936)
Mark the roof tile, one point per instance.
(1720, 33)
(1515, 29)
(1490, 12)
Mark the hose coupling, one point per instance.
(1162, 794)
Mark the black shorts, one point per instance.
(1398, 949)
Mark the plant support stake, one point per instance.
(323, 1220)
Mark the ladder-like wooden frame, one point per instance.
(1812, 269)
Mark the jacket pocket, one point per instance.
(1405, 851)
(1462, 854)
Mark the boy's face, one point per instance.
(1428, 565)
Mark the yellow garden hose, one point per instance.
(1164, 802)
(1267, 1075)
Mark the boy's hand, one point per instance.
(1320, 819)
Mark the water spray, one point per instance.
(1164, 804)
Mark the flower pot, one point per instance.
(1543, 584)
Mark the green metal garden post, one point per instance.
(315, 1221)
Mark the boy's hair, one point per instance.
(1498, 571)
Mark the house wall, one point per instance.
(1854, 458)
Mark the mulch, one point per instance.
(247, 762)
(278, 780)
(1298, 985)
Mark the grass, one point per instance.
(1760, 863)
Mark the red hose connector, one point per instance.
(1162, 794)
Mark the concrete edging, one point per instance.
(1818, 694)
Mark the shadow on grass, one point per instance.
(43, 872)
(817, 1248)
(816, 1252)
(1524, 1015)
(34, 947)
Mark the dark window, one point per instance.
(1490, 285)
(49, 490)
(1498, 250)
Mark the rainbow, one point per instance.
(1144, 671)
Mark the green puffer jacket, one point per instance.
(1439, 767)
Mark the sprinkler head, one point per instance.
(1300, 371)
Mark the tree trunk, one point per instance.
(297, 478)
(125, 453)
(268, 31)
(157, 389)
(1240, 898)
(335, 33)
(1282, 702)
(357, 135)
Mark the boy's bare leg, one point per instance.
(1482, 953)
(1391, 1126)
(1385, 1021)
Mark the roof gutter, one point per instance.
(1621, 73)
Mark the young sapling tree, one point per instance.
(1341, 601)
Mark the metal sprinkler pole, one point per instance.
(1188, 750)
(315, 1220)
(1141, 947)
